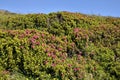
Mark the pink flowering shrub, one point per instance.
(59, 46)
(35, 52)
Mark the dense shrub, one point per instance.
(40, 55)
(59, 46)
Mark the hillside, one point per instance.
(59, 46)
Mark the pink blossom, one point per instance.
(42, 34)
(60, 49)
(53, 46)
(43, 44)
(53, 64)
(53, 56)
(37, 43)
(49, 54)
(76, 30)
(32, 40)
(33, 46)
(28, 31)
(76, 69)
(22, 36)
(69, 65)
(35, 37)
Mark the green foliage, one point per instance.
(39, 55)
(59, 46)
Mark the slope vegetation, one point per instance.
(59, 46)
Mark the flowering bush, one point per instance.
(59, 46)
(34, 55)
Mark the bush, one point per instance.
(59, 46)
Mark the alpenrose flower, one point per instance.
(53, 64)
(32, 40)
(76, 69)
(76, 30)
(35, 37)
(27, 31)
